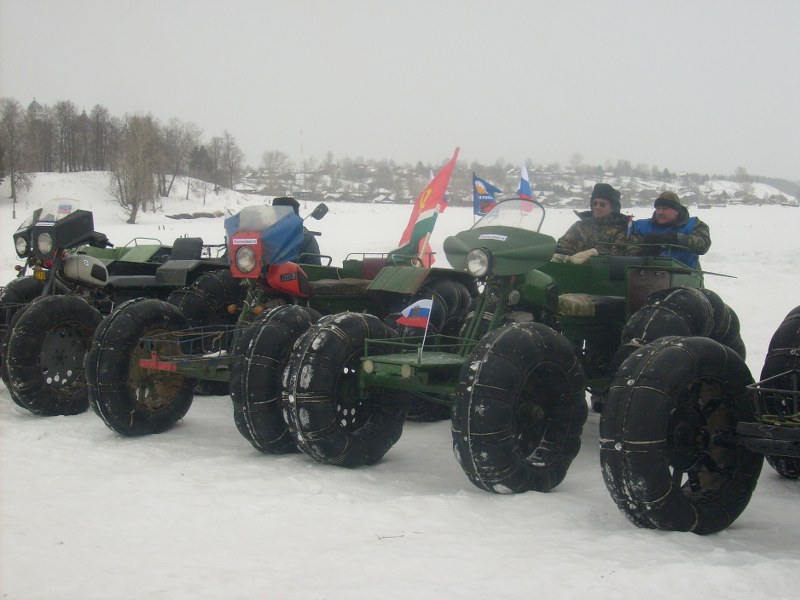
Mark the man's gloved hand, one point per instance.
(581, 257)
(661, 238)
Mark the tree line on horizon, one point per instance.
(145, 155)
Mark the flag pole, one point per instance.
(425, 334)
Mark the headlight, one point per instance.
(478, 262)
(245, 259)
(21, 245)
(44, 243)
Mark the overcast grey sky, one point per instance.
(700, 85)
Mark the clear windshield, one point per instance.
(519, 213)
(258, 218)
(52, 211)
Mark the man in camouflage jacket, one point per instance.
(599, 227)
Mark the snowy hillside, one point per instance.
(196, 513)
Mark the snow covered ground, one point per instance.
(197, 513)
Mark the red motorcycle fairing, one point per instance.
(289, 278)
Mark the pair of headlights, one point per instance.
(44, 244)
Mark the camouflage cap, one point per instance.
(668, 199)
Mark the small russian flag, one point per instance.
(524, 190)
(418, 314)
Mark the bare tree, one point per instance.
(274, 163)
(40, 140)
(745, 182)
(576, 162)
(200, 166)
(215, 152)
(100, 137)
(231, 157)
(83, 142)
(179, 140)
(65, 116)
(136, 164)
(12, 141)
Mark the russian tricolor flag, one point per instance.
(418, 314)
(525, 190)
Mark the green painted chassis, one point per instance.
(622, 284)
(371, 284)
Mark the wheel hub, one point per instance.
(61, 358)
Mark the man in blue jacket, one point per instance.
(677, 234)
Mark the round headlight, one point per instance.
(21, 244)
(478, 262)
(44, 243)
(245, 259)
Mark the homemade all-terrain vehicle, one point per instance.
(775, 432)
(148, 355)
(685, 429)
(71, 277)
(540, 334)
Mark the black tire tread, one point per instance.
(108, 368)
(518, 362)
(29, 385)
(645, 400)
(312, 385)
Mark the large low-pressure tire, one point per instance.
(205, 303)
(783, 355)
(4, 350)
(132, 400)
(328, 418)
(519, 410)
(17, 292)
(666, 434)
(682, 312)
(257, 366)
(451, 304)
(15, 296)
(45, 355)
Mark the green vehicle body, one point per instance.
(588, 303)
(376, 283)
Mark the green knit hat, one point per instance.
(668, 199)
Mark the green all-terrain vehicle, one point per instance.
(685, 429)
(71, 277)
(148, 356)
(538, 337)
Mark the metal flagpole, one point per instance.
(428, 322)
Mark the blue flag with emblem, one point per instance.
(484, 195)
